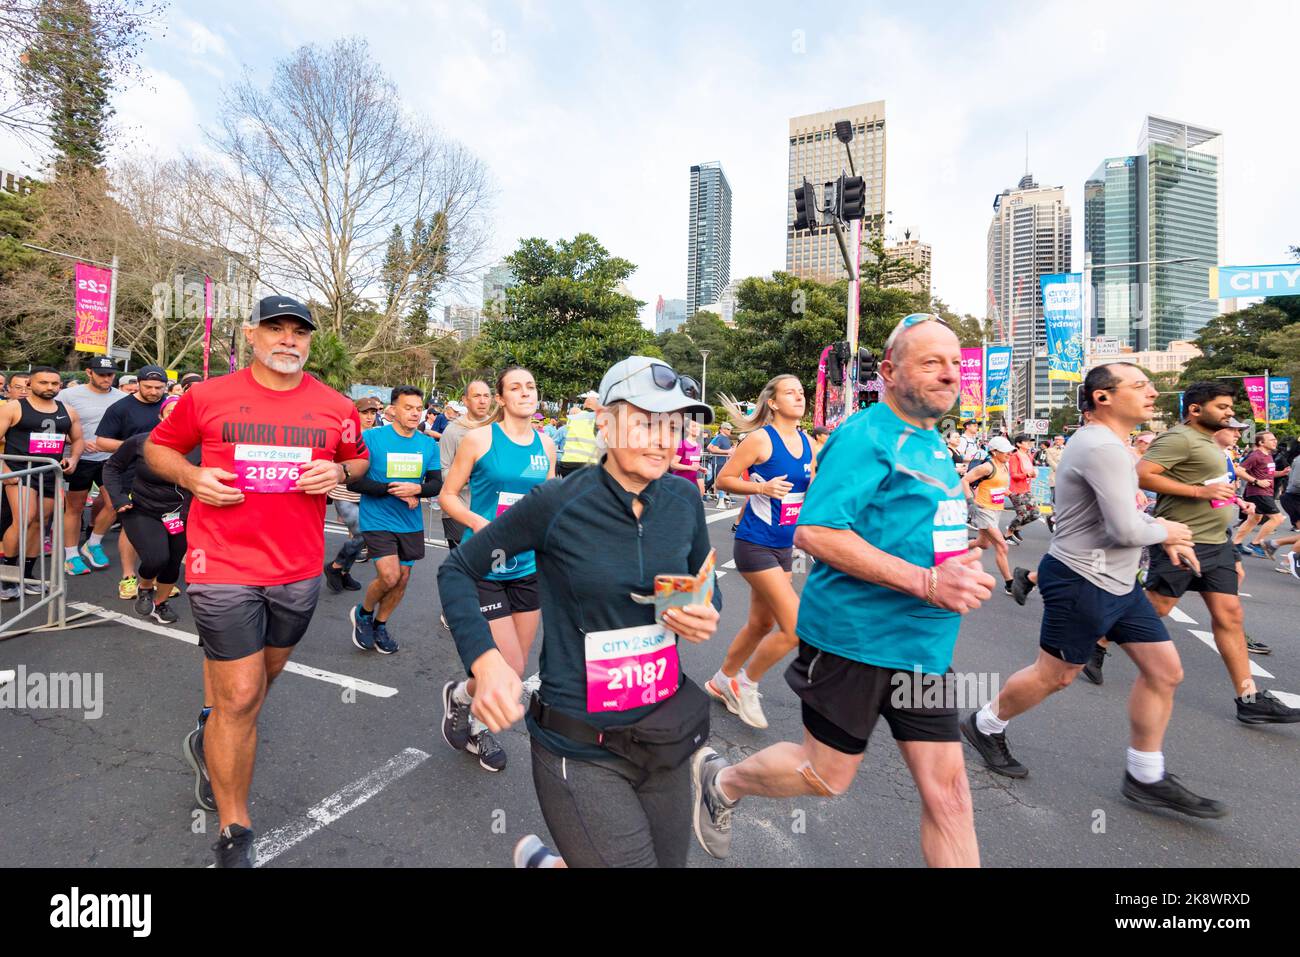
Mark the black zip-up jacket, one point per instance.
(592, 553)
(128, 478)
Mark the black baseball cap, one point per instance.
(151, 374)
(273, 307)
(100, 364)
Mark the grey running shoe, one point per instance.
(192, 748)
(144, 602)
(455, 719)
(711, 816)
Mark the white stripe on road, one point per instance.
(1288, 699)
(731, 564)
(1178, 614)
(715, 575)
(343, 681)
(1208, 638)
(719, 516)
(275, 843)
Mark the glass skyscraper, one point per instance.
(708, 264)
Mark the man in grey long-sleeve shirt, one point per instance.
(1088, 580)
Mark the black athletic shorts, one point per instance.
(235, 621)
(1076, 613)
(843, 699)
(1264, 504)
(407, 546)
(85, 475)
(759, 558)
(1218, 572)
(453, 529)
(499, 599)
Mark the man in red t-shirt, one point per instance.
(1260, 471)
(274, 442)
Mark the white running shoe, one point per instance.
(741, 699)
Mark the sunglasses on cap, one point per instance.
(907, 322)
(666, 378)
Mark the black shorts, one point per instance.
(759, 558)
(407, 546)
(501, 599)
(1076, 613)
(843, 699)
(453, 529)
(568, 468)
(1218, 572)
(1291, 502)
(85, 475)
(235, 621)
(1264, 504)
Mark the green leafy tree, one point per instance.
(969, 329)
(330, 361)
(682, 349)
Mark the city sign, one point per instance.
(1229, 282)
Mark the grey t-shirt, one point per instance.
(451, 437)
(90, 406)
(1100, 533)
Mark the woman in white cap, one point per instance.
(610, 676)
(991, 481)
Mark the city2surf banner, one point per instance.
(998, 378)
(1063, 319)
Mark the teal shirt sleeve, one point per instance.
(849, 472)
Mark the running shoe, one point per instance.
(234, 847)
(76, 565)
(1092, 670)
(363, 629)
(163, 614)
(1270, 548)
(1257, 647)
(365, 555)
(1013, 538)
(192, 748)
(1241, 550)
(10, 591)
(350, 583)
(333, 578)
(1266, 709)
(144, 602)
(443, 619)
(1293, 565)
(491, 756)
(993, 749)
(94, 556)
(1171, 793)
(1257, 551)
(1021, 585)
(710, 815)
(530, 852)
(741, 699)
(455, 719)
(384, 643)
(1051, 525)
(176, 590)
(127, 588)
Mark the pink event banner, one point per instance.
(972, 382)
(1255, 391)
(90, 304)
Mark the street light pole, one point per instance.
(704, 377)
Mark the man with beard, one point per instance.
(275, 441)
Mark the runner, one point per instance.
(39, 427)
(347, 506)
(90, 403)
(153, 515)
(968, 446)
(719, 450)
(1019, 495)
(601, 535)
(1185, 468)
(274, 441)
(1052, 456)
(779, 459)
(403, 469)
(133, 414)
(990, 481)
(580, 437)
(686, 461)
(478, 412)
(1088, 580)
(500, 464)
(886, 522)
(1260, 473)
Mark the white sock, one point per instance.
(989, 723)
(95, 539)
(720, 679)
(744, 678)
(460, 693)
(70, 552)
(1148, 767)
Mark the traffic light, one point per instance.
(805, 206)
(836, 360)
(852, 198)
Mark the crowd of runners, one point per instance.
(591, 531)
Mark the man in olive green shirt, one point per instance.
(1187, 470)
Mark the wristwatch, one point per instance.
(346, 474)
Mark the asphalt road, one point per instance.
(360, 776)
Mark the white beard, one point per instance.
(280, 363)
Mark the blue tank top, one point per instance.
(504, 475)
(770, 521)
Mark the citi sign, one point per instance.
(1227, 282)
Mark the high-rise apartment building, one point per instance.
(495, 283)
(1028, 238)
(708, 254)
(817, 154)
(464, 320)
(918, 254)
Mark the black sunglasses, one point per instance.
(665, 378)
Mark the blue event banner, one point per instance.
(1279, 399)
(1063, 318)
(997, 377)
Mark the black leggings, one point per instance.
(161, 553)
(1291, 505)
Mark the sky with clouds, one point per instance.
(589, 115)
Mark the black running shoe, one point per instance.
(455, 719)
(234, 847)
(993, 749)
(333, 578)
(1021, 585)
(491, 756)
(1257, 647)
(1171, 793)
(1092, 670)
(1265, 709)
(350, 583)
(192, 748)
(163, 614)
(144, 602)
(1013, 538)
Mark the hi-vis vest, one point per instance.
(580, 439)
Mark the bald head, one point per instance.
(923, 370)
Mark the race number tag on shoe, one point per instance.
(630, 667)
(949, 529)
(173, 522)
(405, 465)
(269, 468)
(506, 499)
(45, 443)
(790, 506)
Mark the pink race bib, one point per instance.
(790, 506)
(45, 443)
(630, 667)
(506, 499)
(173, 523)
(997, 496)
(949, 529)
(269, 468)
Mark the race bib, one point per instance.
(998, 496)
(269, 468)
(1225, 479)
(173, 522)
(790, 506)
(45, 443)
(949, 529)
(630, 667)
(405, 465)
(506, 499)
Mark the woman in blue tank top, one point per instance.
(500, 462)
(780, 463)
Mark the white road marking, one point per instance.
(1177, 614)
(1288, 699)
(1208, 638)
(1244, 595)
(343, 681)
(731, 564)
(7, 676)
(715, 575)
(719, 516)
(272, 845)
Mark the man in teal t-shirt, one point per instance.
(404, 467)
(885, 518)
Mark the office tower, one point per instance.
(708, 254)
(669, 314)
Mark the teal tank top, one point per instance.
(504, 475)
